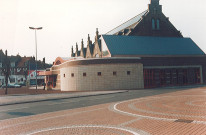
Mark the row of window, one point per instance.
(99, 74)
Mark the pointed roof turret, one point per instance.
(72, 52)
(88, 40)
(97, 34)
(77, 54)
(82, 44)
(6, 53)
(76, 47)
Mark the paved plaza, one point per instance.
(23, 98)
(177, 113)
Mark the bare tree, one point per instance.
(6, 70)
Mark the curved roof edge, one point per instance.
(61, 60)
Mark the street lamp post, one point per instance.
(39, 28)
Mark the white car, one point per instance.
(17, 85)
(11, 86)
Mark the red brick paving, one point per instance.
(104, 120)
(26, 90)
(33, 91)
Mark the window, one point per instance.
(12, 64)
(153, 24)
(84, 74)
(158, 24)
(72, 74)
(114, 73)
(1, 65)
(99, 73)
(12, 80)
(97, 56)
(128, 72)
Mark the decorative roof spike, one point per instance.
(88, 37)
(89, 41)
(97, 32)
(76, 47)
(72, 50)
(82, 44)
(6, 52)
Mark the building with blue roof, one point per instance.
(141, 46)
(146, 51)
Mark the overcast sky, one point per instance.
(66, 22)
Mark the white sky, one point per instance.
(66, 22)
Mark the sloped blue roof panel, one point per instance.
(140, 45)
(127, 24)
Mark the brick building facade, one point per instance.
(147, 47)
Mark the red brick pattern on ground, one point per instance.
(177, 113)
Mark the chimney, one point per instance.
(44, 60)
(33, 58)
(44, 63)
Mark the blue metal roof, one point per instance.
(127, 24)
(140, 45)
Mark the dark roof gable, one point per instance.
(151, 22)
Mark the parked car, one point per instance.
(8, 86)
(17, 85)
(22, 84)
(11, 86)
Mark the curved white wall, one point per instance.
(107, 81)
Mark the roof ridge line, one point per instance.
(128, 20)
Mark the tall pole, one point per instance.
(39, 28)
(36, 57)
(6, 71)
(29, 73)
